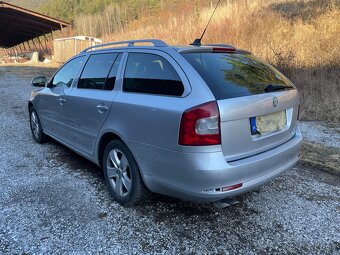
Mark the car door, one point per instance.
(52, 101)
(89, 103)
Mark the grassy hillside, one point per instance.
(28, 4)
(71, 9)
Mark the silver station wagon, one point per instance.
(200, 123)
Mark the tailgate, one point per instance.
(238, 115)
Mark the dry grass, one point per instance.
(112, 19)
(301, 38)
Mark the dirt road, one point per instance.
(53, 201)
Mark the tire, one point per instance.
(122, 175)
(36, 129)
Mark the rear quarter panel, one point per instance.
(154, 119)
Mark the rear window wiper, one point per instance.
(271, 88)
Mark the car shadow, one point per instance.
(161, 206)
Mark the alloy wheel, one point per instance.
(35, 124)
(119, 173)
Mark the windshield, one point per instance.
(236, 75)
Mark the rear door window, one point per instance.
(96, 71)
(151, 74)
(235, 75)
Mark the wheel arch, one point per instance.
(30, 105)
(104, 140)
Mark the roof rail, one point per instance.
(131, 43)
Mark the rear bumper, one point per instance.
(200, 176)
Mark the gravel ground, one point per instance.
(324, 134)
(53, 201)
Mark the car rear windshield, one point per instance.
(236, 75)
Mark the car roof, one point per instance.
(160, 45)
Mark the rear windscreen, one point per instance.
(235, 75)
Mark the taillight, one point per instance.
(200, 126)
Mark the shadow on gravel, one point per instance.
(74, 161)
(162, 207)
(167, 210)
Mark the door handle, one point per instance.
(102, 108)
(62, 101)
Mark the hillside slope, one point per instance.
(71, 9)
(28, 4)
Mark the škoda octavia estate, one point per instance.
(200, 123)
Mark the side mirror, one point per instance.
(39, 81)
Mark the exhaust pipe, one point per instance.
(224, 203)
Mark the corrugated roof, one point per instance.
(19, 25)
(81, 38)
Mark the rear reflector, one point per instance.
(200, 126)
(236, 186)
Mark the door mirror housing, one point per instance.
(39, 81)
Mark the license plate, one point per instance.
(271, 122)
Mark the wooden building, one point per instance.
(65, 48)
